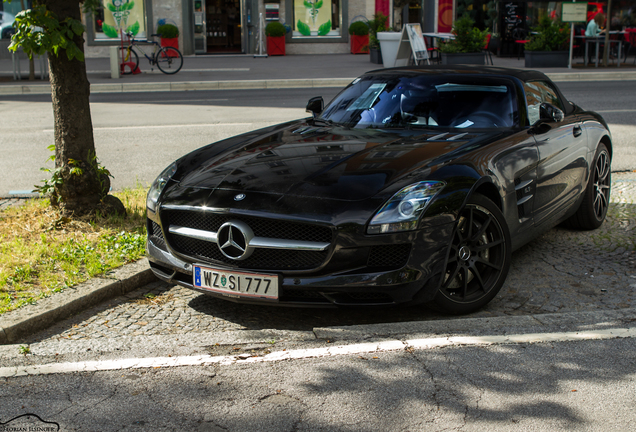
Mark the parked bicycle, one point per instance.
(168, 59)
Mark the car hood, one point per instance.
(326, 162)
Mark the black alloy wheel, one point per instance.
(593, 208)
(478, 259)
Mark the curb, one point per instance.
(45, 88)
(25, 321)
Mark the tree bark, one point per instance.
(81, 191)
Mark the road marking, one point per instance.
(615, 111)
(182, 70)
(354, 349)
(164, 126)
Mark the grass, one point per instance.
(42, 253)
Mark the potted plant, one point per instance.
(377, 24)
(547, 46)
(359, 32)
(467, 45)
(169, 35)
(275, 33)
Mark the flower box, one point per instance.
(170, 42)
(359, 44)
(275, 45)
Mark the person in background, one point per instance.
(594, 26)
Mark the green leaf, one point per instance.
(111, 7)
(110, 31)
(77, 27)
(134, 29)
(308, 4)
(324, 29)
(51, 147)
(303, 28)
(318, 4)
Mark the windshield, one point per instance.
(419, 100)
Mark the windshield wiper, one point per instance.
(323, 122)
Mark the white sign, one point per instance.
(574, 12)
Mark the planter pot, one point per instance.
(538, 59)
(170, 42)
(389, 44)
(375, 55)
(359, 44)
(464, 58)
(275, 45)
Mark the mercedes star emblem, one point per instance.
(233, 239)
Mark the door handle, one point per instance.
(577, 131)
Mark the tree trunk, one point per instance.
(81, 191)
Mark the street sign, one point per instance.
(574, 12)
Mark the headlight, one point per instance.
(157, 186)
(403, 210)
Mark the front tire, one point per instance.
(478, 258)
(593, 209)
(169, 60)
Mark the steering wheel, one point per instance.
(482, 119)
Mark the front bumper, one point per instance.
(415, 282)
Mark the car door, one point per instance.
(562, 150)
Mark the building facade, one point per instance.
(316, 26)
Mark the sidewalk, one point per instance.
(247, 72)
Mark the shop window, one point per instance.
(117, 16)
(317, 18)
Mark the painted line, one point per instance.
(21, 192)
(354, 349)
(182, 70)
(615, 111)
(164, 126)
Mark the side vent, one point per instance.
(525, 193)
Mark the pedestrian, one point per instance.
(594, 27)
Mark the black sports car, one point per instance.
(412, 185)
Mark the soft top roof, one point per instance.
(521, 74)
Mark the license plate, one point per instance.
(235, 283)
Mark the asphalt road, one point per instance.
(138, 134)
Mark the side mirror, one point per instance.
(550, 113)
(315, 105)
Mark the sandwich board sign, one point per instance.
(411, 44)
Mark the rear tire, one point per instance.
(478, 258)
(169, 60)
(129, 59)
(593, 209)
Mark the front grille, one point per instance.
(155, 234)
(389, 256)
(271, 228)
(265, 259)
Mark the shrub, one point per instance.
(468, 39)
(168, 31)
(549, 35)
(275, 29)
(359, 28)
(377, 24)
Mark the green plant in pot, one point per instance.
(377, 24)
(275, 33)
(168, 31)
(169, 35)
(548, 44)
(359, 32)
(549, 35)
(468, 38)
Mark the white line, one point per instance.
(615, 111)
(182, 70)
(365, 348)
(164, 126)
